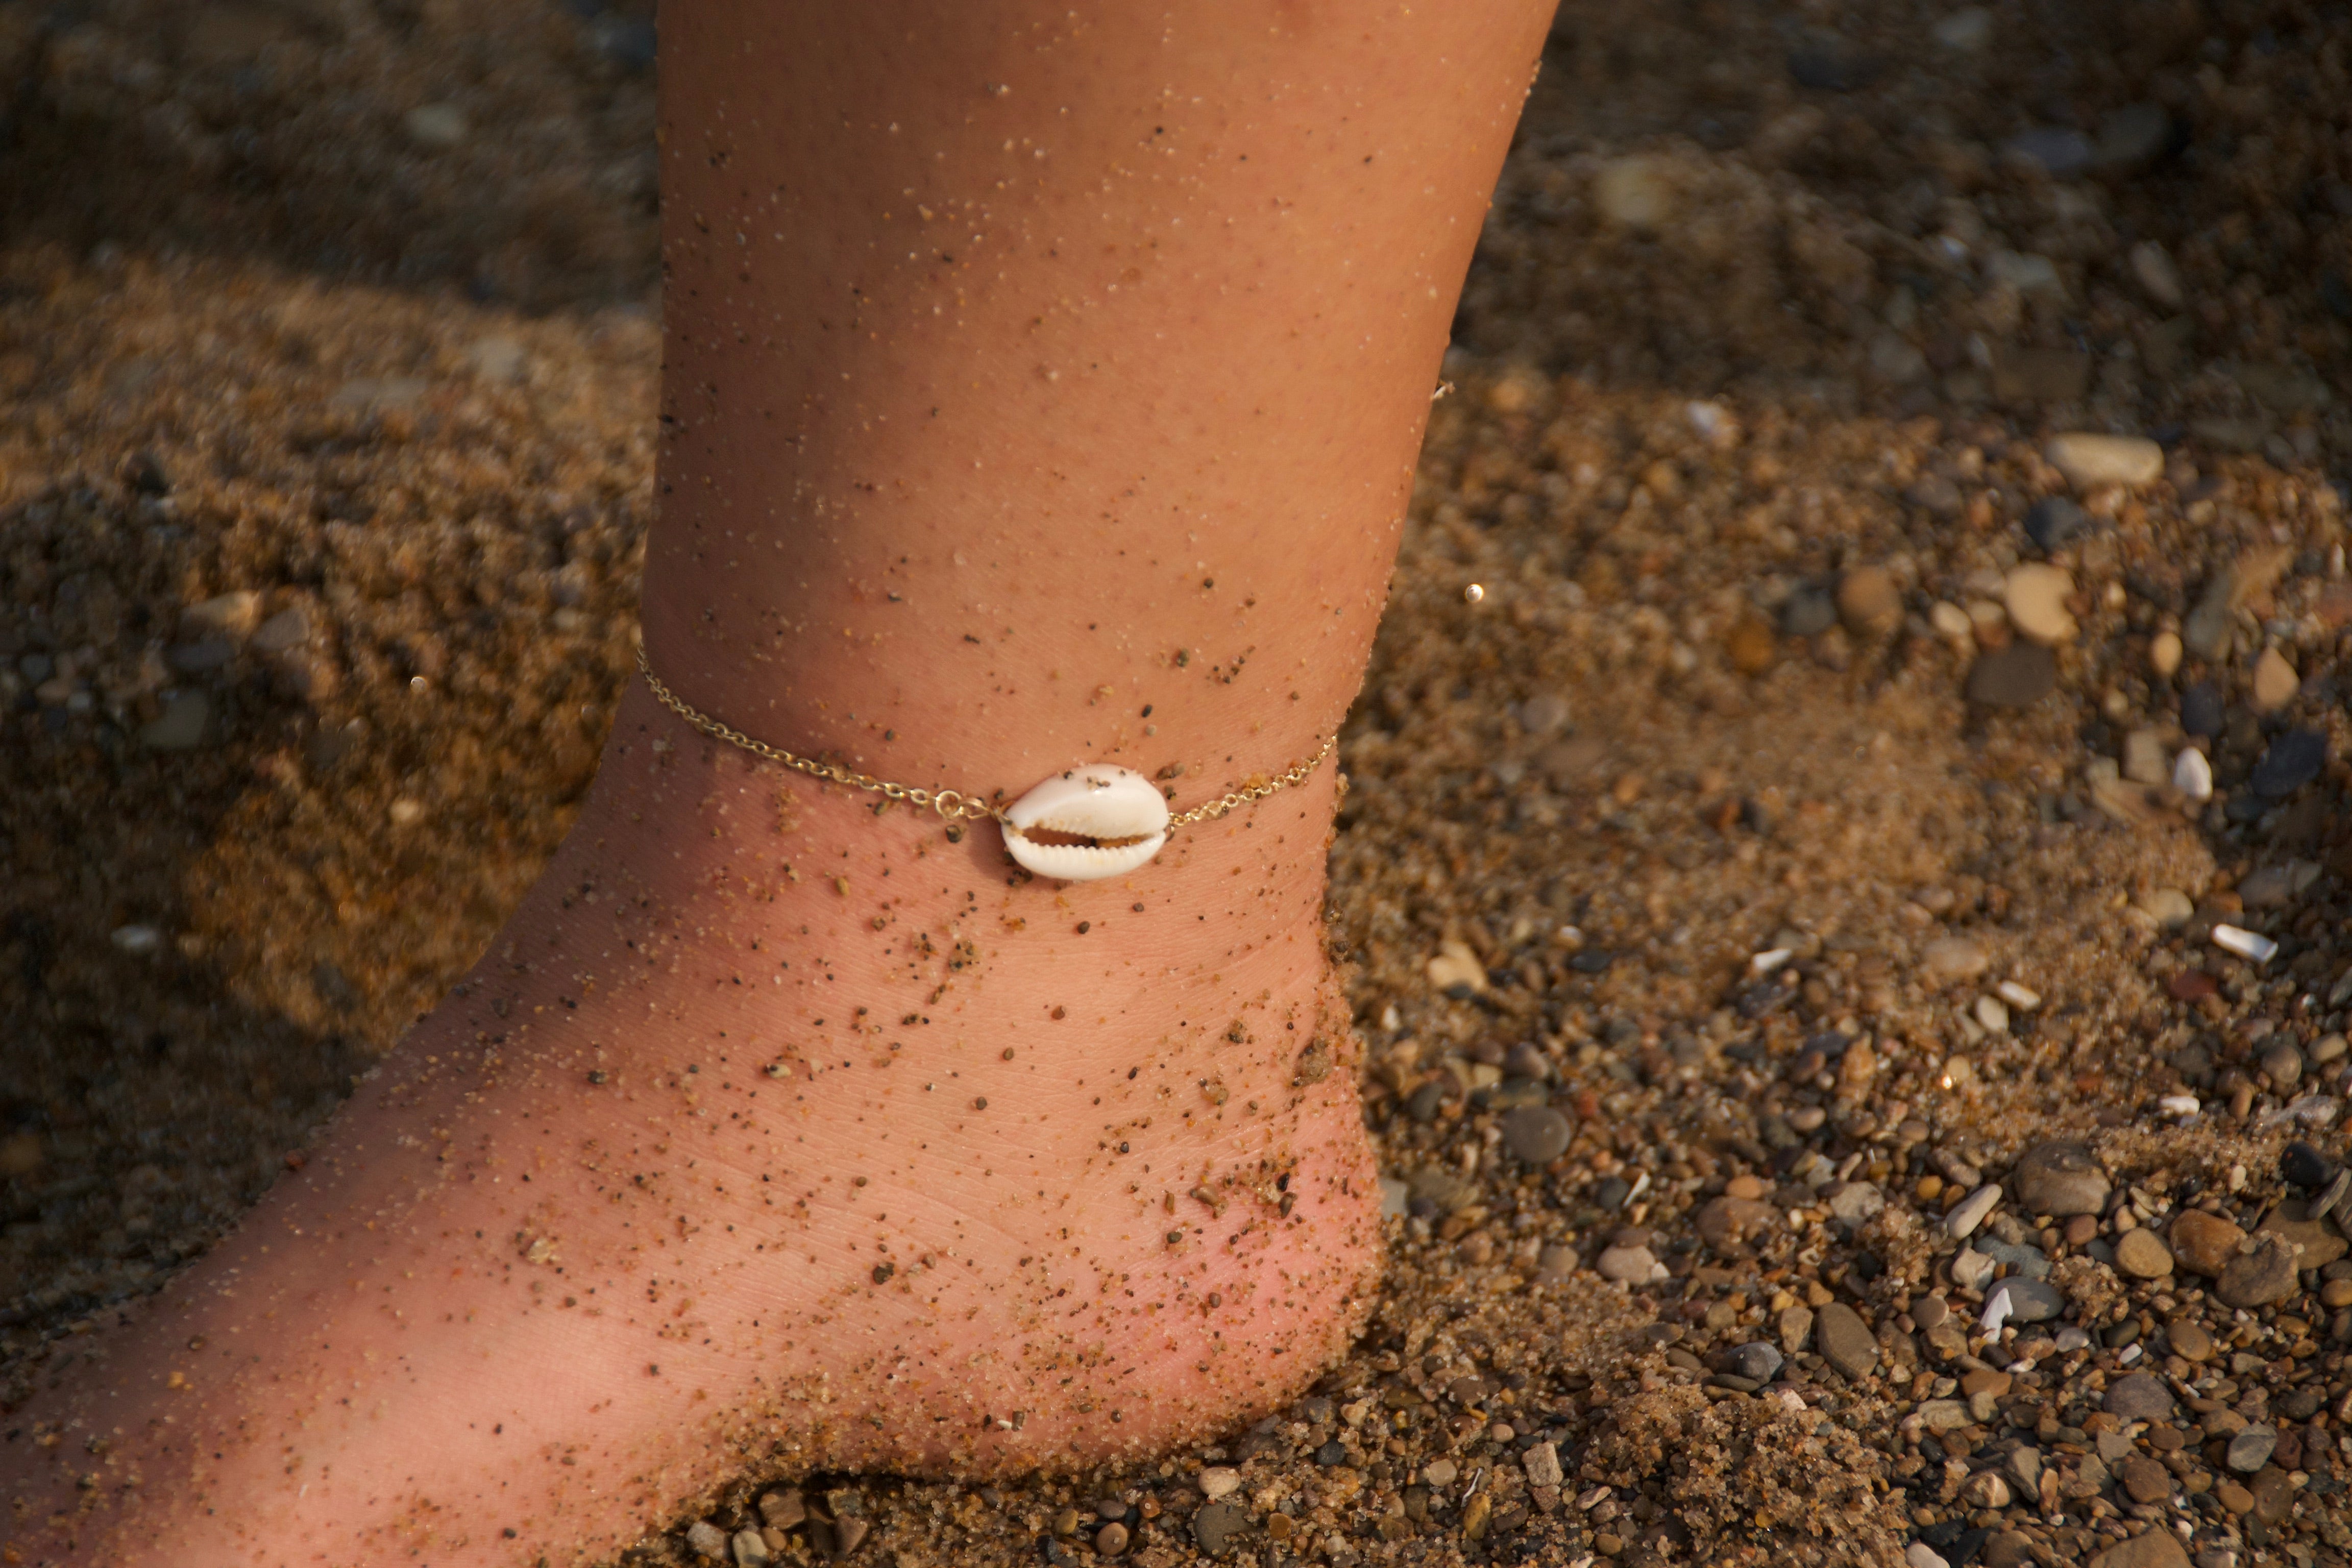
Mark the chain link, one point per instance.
(952, 805)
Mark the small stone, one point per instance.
(2031, 1301)
(2250, 1449)
(1971, 1211)
(1951, 621)
(1215, 1526)
(784, 1508)
(2189, 1340)
(1535, 1134)
(2053, 523)
(2138, 1396)
(1756, 1361)
(2059, 1178)
(2025, 1467)
(1627, 1265)
(2305, 1166)
(1972, 1269)
(2193, 775)
(2283, 1063)
(1845, 1340)
(1111, 1540)
(1988, 1488)
(2234, 1497)
(2132, 136)
(1951, 958)
(1919, 1555)
(1749, 645)
(1930, 1310)
(2276, 682)
(2156, 1547)
(2202, 713)
(1855, 1203)
(181, 726)
(2089, 460)
(288, 628)
(1440, 1472)
(228, 617)
(2260, 1277)
(2152, 269)
(2058, 150)
(2142, 1254)
(1540, 1464)
(750, 1548)
(2144, 758)
(2144, 1478)
(2164, 654)
(2292, 760)
(1796, 1326)
(1726, 1224)
(436, 126)
(1808, 612)
(2017, 676)
(1636, 192)
(1219, 1480)
(2036, 597)
(1869, 602)
(707, 1540)
(498, 359)
(2204, 1242)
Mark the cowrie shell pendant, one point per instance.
(1090, 823)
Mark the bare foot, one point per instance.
(769, 1133)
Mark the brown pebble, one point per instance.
(2204, 1242)
(1111, 1540)
(2189, 1340)
(2081, 1229)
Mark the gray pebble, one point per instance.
(2293, 760)
(1963, 1222)
(2061, 152)
(2031, 1301)
(2138, 1396)
(1535, 1133)
(2060, 1179)
(2250, 1449)
(1215, 1526)
(706, 1538)
(1757, 1361)
(1844, 1340)
(1808, 613)
(2053, 523)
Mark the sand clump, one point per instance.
(1757, 821)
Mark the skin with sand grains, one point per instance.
(823, 1157)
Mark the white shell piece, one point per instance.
(1097, 801)
(2193, 775)
(2245, 943)
(2019, 996)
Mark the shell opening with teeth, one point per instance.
(1090, 823)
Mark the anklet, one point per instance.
(1115, 817)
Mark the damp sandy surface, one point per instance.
(1683, 829)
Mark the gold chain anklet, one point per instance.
(1119, 816)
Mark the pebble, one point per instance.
(2201, 713)
(1855, 1203)
(750, 1548)
(2132, 136)
(181, 726)
(1111, 1540)
(1440, 1472)
(1749, 645)
(1216, 1525)
(1868, 602)
(1540, 1464)
(2193, 775)
(1972, 1269)
(1627, 1265)
(2089, 460)
(1844, 1340)
(2156, 1547)
(2143, 761)
(1796, 1326)
(2276, 682)
(2292, 760)
(2137, 1396)
(2164, 654)
(1951, 621)
(1950, 958)
(2017, 676)
(2060, 151)
(1808, 612)
(1971, 1211)
(2030, 1301)
(2059, 1178)
(2247, 944)
(2144, 1478)
(1535, 1134)
(2260, 1277)
(2152, 270)
(137, 940)
(2250, 1449)
(436, 126)
(2053, 523)
(2204, 1242)
(288, 628)
(782, 1510)
(231, 616)
(2189, 1340)
(1636, 192)
(1756, 1361)
(2305, 1166)
(1919, 1555)
(1218, 1480)
(2035, 597)
(2142, 1254)
(707, 1540)
(2284, 1063)
(1930, 1310)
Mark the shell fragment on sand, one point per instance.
(2247, 944)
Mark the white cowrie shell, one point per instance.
(1099, 802)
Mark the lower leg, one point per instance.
(1021, 377)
